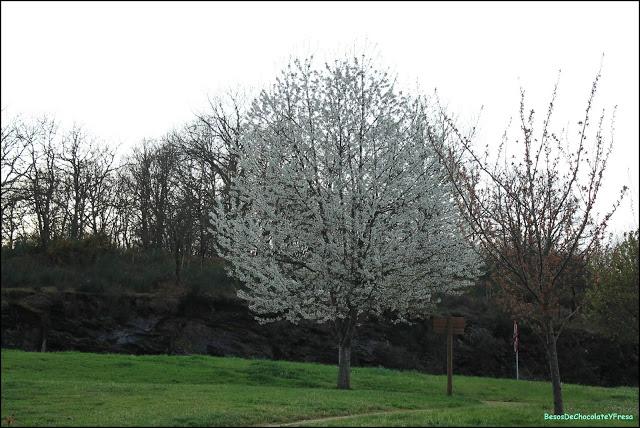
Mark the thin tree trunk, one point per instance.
(344, 329)
(344, 365)
(178, 263)
(554, 371)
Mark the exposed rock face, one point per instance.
(161, 324)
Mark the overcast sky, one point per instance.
(132, 70)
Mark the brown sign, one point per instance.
(449, 326)
(441, 325)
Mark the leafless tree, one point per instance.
(13, 168)
(74, 166)
(124, 204)
(140, 181)
(534, 213)
(215, 139)
(43, 182)
(100, 194)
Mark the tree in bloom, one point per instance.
(340, 209)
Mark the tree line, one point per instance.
(67, 184)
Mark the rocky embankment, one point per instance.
(175, 324)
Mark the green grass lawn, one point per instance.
(72, 388)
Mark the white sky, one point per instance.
(133, 70)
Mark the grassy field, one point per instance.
(71, 388)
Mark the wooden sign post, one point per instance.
(450, 326)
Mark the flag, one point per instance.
(516, 337)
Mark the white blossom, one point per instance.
(340, 208)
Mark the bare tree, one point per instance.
(211, 143)
(534, 214)
(215, 139)
(74, 166)
(140, 181)
(43, 179)
(13, 168)
(124, 204)
(100, 195)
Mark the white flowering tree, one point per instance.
(340, 209)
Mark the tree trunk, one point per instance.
(178, 263)
(344, 329)
(554, 371)
(344, 365)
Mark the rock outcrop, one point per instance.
(188, 324)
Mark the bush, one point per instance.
(79, 252)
